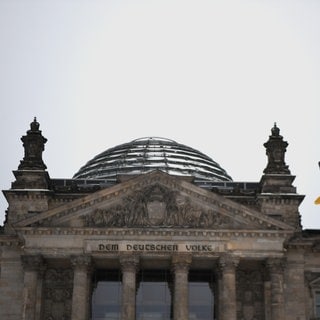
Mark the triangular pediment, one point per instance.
(154, 200)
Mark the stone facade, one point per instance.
(59, 234)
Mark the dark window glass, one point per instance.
(106, 296)
(153, 295)
(318, 304)
(201, 298)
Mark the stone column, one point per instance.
(32, 265)
(40, 293)
(80, 294)
(295, 282)
(129, 266)
(181, 264)
(227, 296)
(276, 267)
(267, 293)
(216, 290)
(218, 293)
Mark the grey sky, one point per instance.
(214, 75)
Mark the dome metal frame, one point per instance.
(144, 155)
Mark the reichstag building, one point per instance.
(155, 230)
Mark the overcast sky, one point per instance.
(214, 75)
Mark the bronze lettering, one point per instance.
(199, 248)
(155, 247)
(108, 247)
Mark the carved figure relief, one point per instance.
(157, 206)
(58, 285)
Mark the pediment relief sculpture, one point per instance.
(158, 206)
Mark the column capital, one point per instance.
(181, 262)
(228, 262)
(275, 265)
(129, 262)
(81, 261)
(32, 262)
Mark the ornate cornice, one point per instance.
(299, 246)
(154, 232)
(28, 194)
(10, 241)
(281, 198)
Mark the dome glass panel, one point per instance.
(152, 153)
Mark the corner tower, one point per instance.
(29, 192)
(278, 198)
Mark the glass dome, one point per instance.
(152, 153)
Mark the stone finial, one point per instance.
(33, 143)
(275, 150)
(34, 125)
(275, 131)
